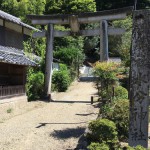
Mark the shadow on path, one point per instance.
(68, 133)
(65, 101)
(85, 114)
(44, 124)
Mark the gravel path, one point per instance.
(57, 125)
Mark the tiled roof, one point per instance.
(15, 56)
(14, 19)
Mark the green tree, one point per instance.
(113, 4)
(20, 8)
(35, 75)
(124, 44)
(67, 6)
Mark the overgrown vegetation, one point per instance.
(114, 110)
(108, 74)
(118, 112)
(35, 84)
(98, 146)
(35, 75)
(103, 130)
(138, 147)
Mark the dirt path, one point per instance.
(56, 126)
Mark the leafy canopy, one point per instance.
(67, 6)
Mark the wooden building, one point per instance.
(13, 61)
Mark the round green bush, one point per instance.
(61, 80)
(35, 84)
(120, 92)
(103, 130)
(63, 67)
(98, 146)
(118, 112)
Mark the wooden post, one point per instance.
(103, 40)
(139, 79)
(92, 99)
(49, 60)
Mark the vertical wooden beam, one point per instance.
(49, 60)
(103, 40)
(139, 79)
(24, 75)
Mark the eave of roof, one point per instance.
(15, 56)
(15, 20)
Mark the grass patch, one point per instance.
(9, 110)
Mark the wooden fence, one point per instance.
(11, 90)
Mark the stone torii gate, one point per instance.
(74, 20)
(140, 58)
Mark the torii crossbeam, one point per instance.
(74, 20)
(91, 17)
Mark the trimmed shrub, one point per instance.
(108, 73)
(106, 70)
(63, 67)
(35, 84)
(98, 146)
(103, 130)
(118, 112)
(120, 92)
(61, 79)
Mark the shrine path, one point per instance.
(56, 125)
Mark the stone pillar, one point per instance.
(103, 40)
(139, 79)
(49, 60)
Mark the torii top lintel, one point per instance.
(89, 17)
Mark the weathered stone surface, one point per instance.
(103, 40)
(140, 79)
(49, 59)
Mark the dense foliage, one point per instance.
(107, 73)
(123, 44)
(67, 6)
(61, 79)
(115, 108)
(120, 92)
(138, 147)
(20, 8)
(118, 112)
(98, 146)
(35, 75)
(35, 83)
(103, 130)
(113, 4)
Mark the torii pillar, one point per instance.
(103, 41)
(49, 60)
